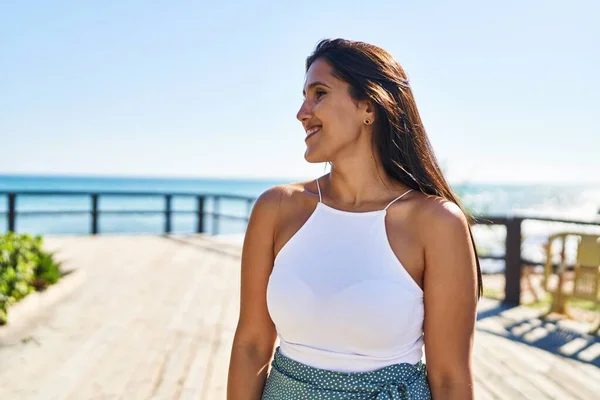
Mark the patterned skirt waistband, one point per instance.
(290, 379)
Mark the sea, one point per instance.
(578, 202)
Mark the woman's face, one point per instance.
(332, 120)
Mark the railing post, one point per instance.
(512, 271)
(168, 213)
(215, 215)
(94, 214)
(200, 214)
(12, 212)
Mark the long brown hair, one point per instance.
(400, 138)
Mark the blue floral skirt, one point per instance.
(292, 380)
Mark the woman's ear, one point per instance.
(368, 110)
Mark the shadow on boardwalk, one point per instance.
(528, 326)
(155, 317)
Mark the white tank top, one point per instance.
(339, 297)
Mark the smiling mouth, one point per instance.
(312, 132)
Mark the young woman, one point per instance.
(365, 270)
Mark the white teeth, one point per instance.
(313, 130)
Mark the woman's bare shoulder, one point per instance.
(433, 214)
(276, 202)
(283, 194)
(439, 211)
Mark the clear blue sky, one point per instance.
(508, 91)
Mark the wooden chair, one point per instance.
(586, 279)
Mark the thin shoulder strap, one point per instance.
(319, 189)
(398, 198)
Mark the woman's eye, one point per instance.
(320, 93)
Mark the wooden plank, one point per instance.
(217, 380)
(572, 381)
(148, 376)
(489, 373)
(523, 385)
(550, 388)
(199, 369)
(112, 371)
(187, 322)
(482, 391)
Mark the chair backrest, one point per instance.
(588, 255)
(588, 251)
(587, 269)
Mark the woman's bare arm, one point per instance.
(255, 336)
(450, 295)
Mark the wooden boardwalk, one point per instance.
(154, 318)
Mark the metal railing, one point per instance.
(512, 257)
(95, 212)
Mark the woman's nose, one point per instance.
(304, 112)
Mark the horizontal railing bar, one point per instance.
(123, 194)
(484, 220)
(502, 257)
(49, 212)
(559, 220)
(63, 212)
(119, 212)
(229, 216)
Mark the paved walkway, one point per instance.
(154, 318)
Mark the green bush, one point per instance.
(24, 267)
